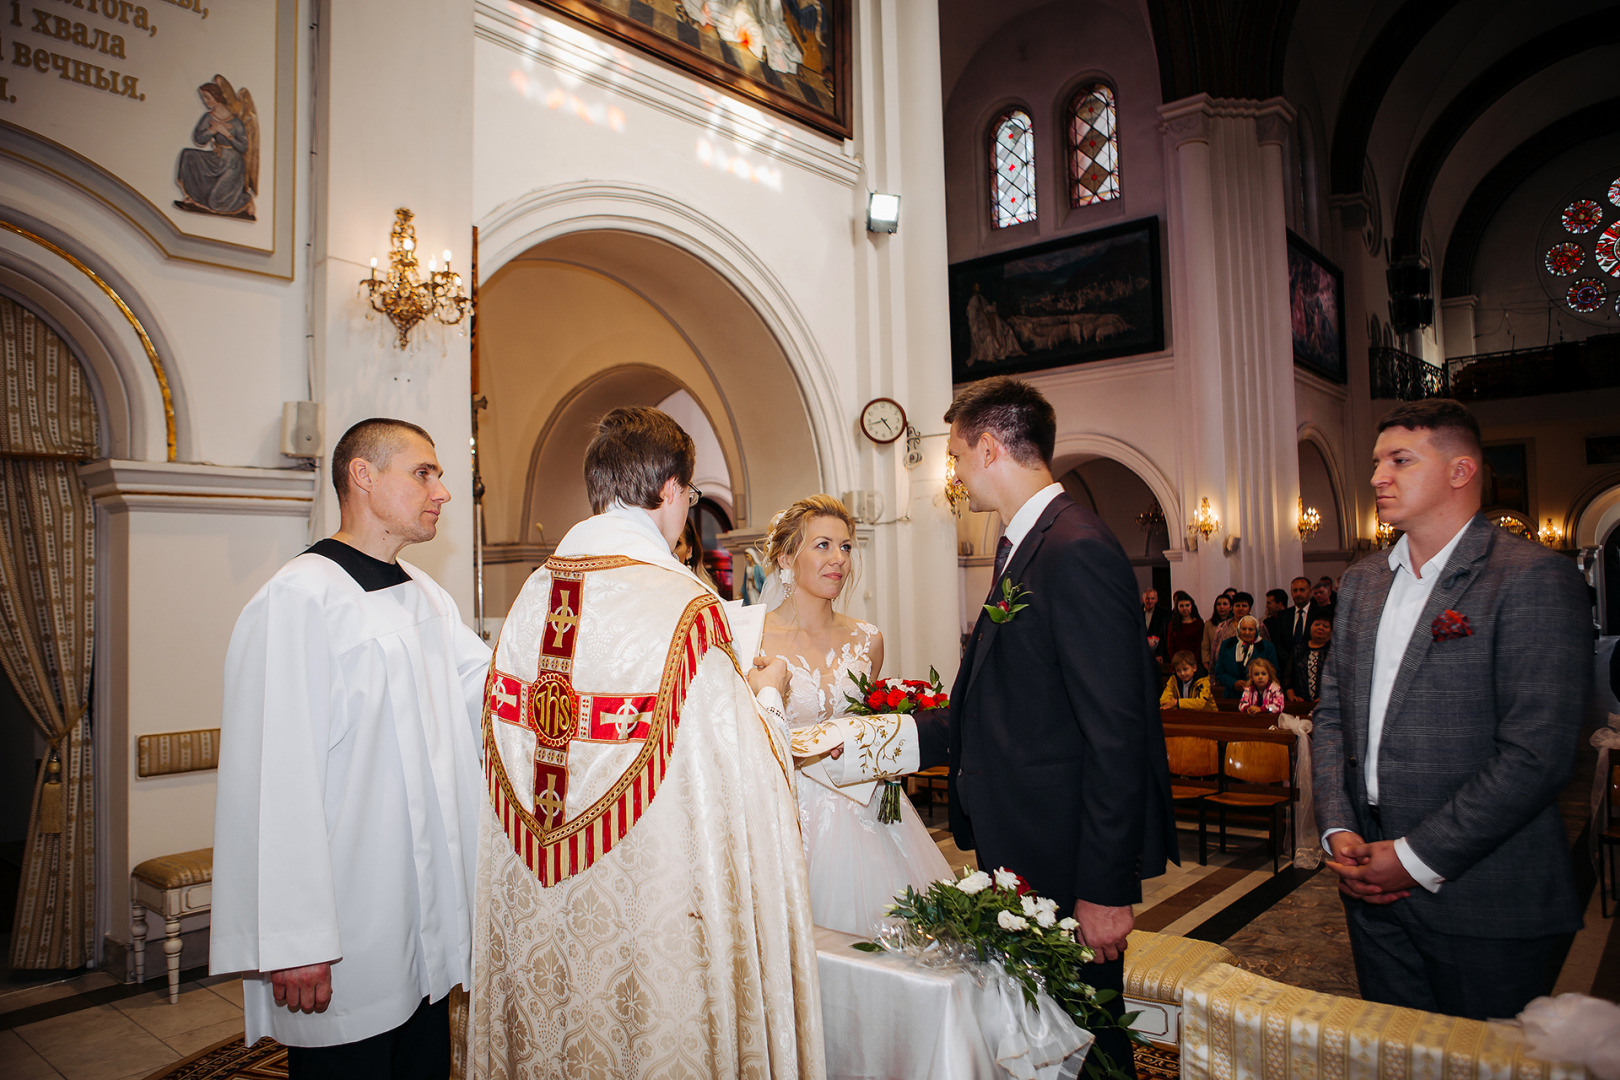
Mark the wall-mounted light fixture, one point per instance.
(1203, 524)
(882, 213)
(955, 493)
(1551, 535)
(1385, 534)
(1152, 518)
(403, 296)
(1309, 521)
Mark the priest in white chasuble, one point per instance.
(345, 835)
(643, 907)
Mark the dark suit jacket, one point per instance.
(1479, 736)
(1053, 736)
(1156, 627)
(1280, 628)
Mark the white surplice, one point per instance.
(349, 787)
(657, 922)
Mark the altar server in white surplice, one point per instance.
(345, 834)
(643, 908)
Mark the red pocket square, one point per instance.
(1451, 624)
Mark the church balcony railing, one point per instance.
(1566, 367)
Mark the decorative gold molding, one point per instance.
(135, 324)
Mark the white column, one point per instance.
(395, 129)
(905, 335)
(1229, 263)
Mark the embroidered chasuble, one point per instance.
(642, 907)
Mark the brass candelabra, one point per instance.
(403, 295)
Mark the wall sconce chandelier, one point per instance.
(1152, 518)
(1551, 535)
(955, 493)
(402, 295)
(1309, 521)
(1204, 524)
(1385, 534)
(1515, 526)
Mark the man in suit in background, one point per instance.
(1276, 624)
(1053, 738)
(1157, 621)
(1290, 629)
(1446, 728)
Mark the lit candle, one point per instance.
(374, 262)
(447, 258)
(433, 265)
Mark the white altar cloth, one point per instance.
(886, 1018)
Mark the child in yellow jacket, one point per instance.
(1184, 690)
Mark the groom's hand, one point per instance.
(1103, 929)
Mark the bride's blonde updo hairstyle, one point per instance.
(789, 529)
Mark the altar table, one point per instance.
(886, 1017)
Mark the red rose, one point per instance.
(925, 701)
(896, 697)
(941, 700)
(1004, 606)
(874, 700)
(916, 684)
(1023, 886)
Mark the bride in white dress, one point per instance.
(857, 863)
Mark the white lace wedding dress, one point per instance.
(857, 863)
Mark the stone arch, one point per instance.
(1074, 447)
(109, 326)
(632, 210)
(1596, 513)
(1312, 433)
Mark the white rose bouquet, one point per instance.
(997, 918)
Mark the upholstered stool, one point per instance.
(173, 886)
(1238, 1024)
(1158, 968)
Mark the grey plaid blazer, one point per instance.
(1479, 737)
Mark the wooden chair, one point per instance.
(931, 780)
(1256, 765)
(1198, 760)
(1608, 859)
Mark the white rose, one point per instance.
(976, 882)
(1009, 921)
(1067, 924)
(1029, 906)
(1006, 879)
(1047, 905)
(1045, 918)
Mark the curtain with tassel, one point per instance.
(46, 580)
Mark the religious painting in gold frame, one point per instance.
(791, 56)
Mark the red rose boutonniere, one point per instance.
(1014, 598)
(1451, 624)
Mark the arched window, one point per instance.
(1012, 156)
(1093, 146)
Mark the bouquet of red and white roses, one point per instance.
(997, 918)
(896, 696)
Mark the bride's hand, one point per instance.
(771, 671)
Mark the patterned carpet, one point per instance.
(267, 1060)
(1301, 940)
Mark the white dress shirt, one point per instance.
(1408, 595)
(1027, 515)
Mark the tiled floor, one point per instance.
(131, 1037)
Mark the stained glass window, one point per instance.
(1582, 216)
(1564, 259)
(1608, 261)
(1614, 192)
(1012, 154)
(1586, 295)
(1093, 146)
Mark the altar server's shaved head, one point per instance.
(376, 440)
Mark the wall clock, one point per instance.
(883, 420)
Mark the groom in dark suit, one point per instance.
(1054, 742)
(1450, 709)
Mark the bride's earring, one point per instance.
(787, 581)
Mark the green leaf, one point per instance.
(867, 946)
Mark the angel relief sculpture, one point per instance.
(222, 178)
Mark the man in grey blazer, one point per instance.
(1447, 726)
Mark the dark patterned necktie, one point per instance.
(1003, 549)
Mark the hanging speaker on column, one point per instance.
(302, 423)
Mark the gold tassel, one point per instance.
(50, 797)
